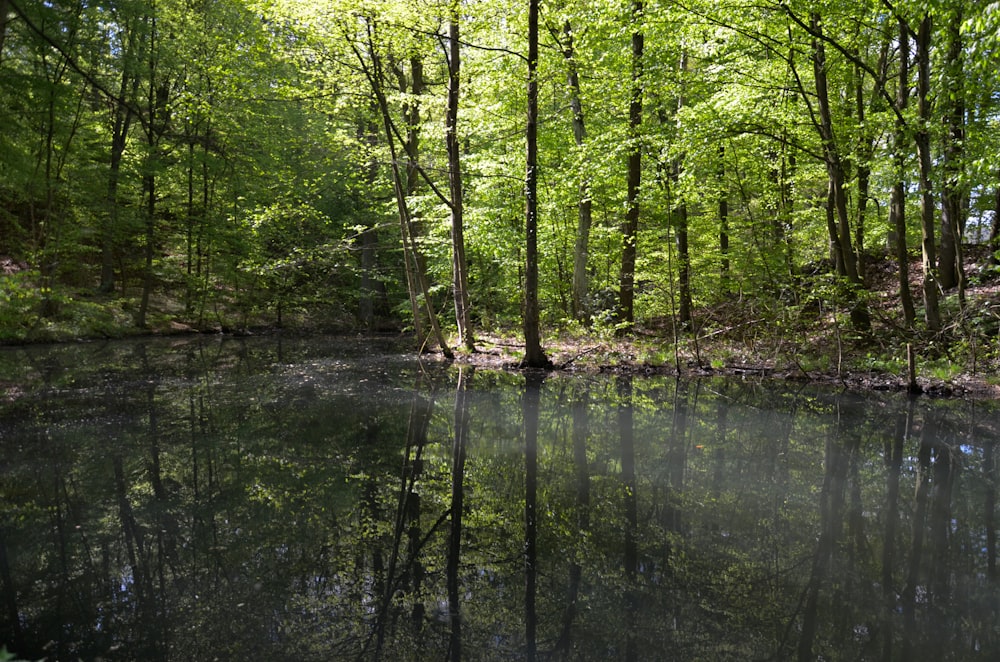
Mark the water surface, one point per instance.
(334, 498)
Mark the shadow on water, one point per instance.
(334, 498)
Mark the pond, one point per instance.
(337, 499)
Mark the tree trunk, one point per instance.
(155, 125)
(459, 266)
(416, 277)
(630, 228)
(683, 255)
(581, 247)
(840, 234)
(413, 89)
(681, 221)
(121, 121)
(897, 204)
(720, 178)
(149, 189)
(932, 314)
(865, 154)
(368, 135)
(950, 268)
(534, 356)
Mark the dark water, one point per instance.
(334, 499)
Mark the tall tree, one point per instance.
(459, 264)
(932, 313)
(534, 355)
(840, 234)
(585, 205)
(723, 207)
(953, 196)
(681, 218)
(630, 227)
(417, 277)
(124, 43)
(155, 119)
(897, 204)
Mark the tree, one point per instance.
(953, 195)
(460, 277)
(534, 355)
(840, 233)
(630, 226)
(585, 205)
(932, 314)
(371, 64)
(897, 204)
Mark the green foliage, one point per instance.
(30, 312)
(20, 302)
(267, 157)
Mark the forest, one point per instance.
(809, 177)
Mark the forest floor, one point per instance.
(803, 341)
(807, 338)
(646, 355)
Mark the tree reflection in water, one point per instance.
(334, 499)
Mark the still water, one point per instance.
(335, 499)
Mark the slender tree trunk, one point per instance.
(411, 113)
(897, 204)
(459, 266)
(630, 228)
(950, 268)
(840, 235)
(368, 135)
(720, 178)
(534, 356)
(865, 154)
(155, 125)
(681, 221)
(683, 255)
(581, 247)
(122, 116)
(834, 163)
(783, 222)
(149, 188)
(841, 238)
(932, 314)
(416, 278)
(413, 90)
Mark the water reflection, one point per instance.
(335, 499)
